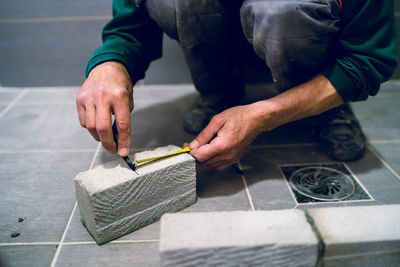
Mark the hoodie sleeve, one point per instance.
(367, 52)
(130, 38)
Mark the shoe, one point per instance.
(200, 114)
(340, 135)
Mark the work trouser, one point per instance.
(295, 38)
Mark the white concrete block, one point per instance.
(114, 200)
(239, 238)
(359, 236)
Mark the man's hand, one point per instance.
(227, 137)
(107, 90)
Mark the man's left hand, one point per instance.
(227, 137)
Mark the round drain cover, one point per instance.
(322, 183)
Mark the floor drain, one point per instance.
(323, 183)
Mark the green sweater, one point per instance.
(366, 54)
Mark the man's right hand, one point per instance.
(107, 90)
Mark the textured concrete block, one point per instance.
(239, 238)
(359, 236)
(114, 200)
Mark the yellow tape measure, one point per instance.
(186, 149)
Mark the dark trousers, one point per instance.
(295, 38)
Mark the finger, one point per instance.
(104, 130)
(123, 122)
(90, 121)
(208, 151)
(208, 133)
(82, 114)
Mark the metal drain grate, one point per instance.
(323, 183)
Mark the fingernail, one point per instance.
(123, 151)
(194, 144)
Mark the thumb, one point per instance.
(208, 133)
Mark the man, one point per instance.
(322, 54)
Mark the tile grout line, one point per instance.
(77, 242)
(246, 188)
(46, 151)
(383, 161)
(55, 19)
(53, 263)
(112, 242)
(28, 244)
(13, 102)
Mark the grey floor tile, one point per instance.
(50, 96)
(164, 92)
(29, 256)
(2, 107)
(77, 232)
(390, 86)
(43, 127)
(48, 8)
(47, 54)
(377, 179)
(379, 117)
(112, 255)
(8, 95)
(219, 191)
(37, 194)
(389, 153)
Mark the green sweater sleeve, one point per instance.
(367, 52)
(130, 38)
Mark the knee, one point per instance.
(164, 14)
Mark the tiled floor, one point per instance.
(42, 148)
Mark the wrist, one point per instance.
(264, 114)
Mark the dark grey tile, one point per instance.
(47, 54)
(77, 232)
(390, 153)
(29, 256)
(8, 95)
(128, 254)
(379, 117)
(377, 179)
(171, 68)
(50, 96)
(48, 8)
(43, 127)
(219, 191)
(38, 188)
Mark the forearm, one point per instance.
(308, 99)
